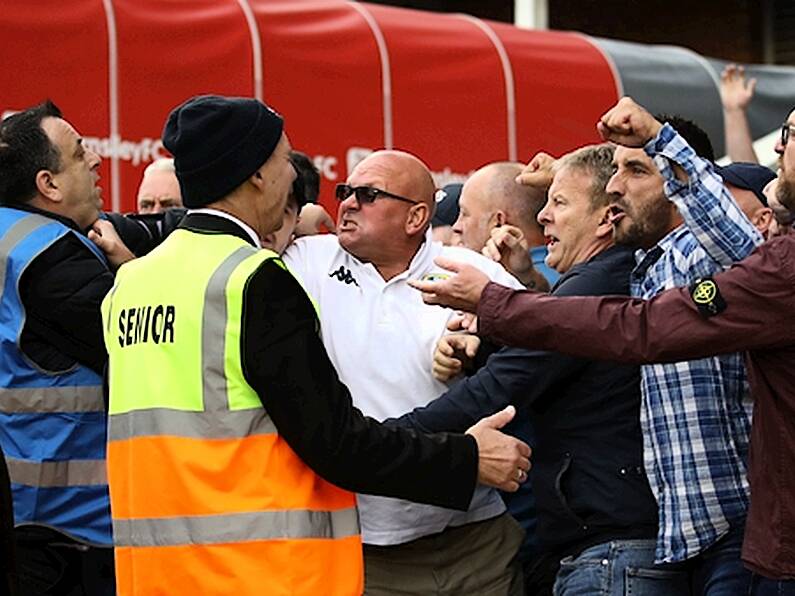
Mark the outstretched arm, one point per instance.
(759, 313)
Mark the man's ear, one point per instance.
(417, 218)
(762, 219)
(257, 179)
(604, 228)
(47, 186)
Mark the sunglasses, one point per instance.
(786, 128)
(366, 194)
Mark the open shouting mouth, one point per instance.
(615, 214)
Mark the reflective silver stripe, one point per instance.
(214, 320)
(207, 425)
(49, 474)
(15, 234)
(217, 420)
(31, 400)
(236, 527)
(109, 298)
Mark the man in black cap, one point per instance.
(445, 214)
(746, 183)
(241, 370)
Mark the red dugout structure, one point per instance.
(349, 78)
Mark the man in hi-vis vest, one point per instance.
(232, 444)
(52, 413)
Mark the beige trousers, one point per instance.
(477, 558)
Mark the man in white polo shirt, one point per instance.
(381, 337)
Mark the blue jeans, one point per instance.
(619, 568)
(762, 586)
(719, 570)
(624, 567)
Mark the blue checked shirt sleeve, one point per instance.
(708, 209)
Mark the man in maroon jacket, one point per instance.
(751, 308)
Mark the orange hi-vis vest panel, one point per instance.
(206, 497)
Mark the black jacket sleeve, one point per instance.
(510, 376)
(284, 360)
(62, 290)
(523, 378)
(141, 233)
(517, 376)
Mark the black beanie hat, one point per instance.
(217, 143)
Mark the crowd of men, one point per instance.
(211, 396)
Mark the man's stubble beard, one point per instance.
(785, 193)
(646, 228)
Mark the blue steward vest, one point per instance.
(53, 424)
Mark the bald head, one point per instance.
(405, 173)
(388, 230)
(492, 197)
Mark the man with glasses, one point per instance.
(229, 465)
(380, 337)
(786, 130)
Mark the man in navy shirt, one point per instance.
(587, 476)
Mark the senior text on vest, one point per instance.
(147, 323)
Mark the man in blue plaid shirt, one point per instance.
(695, 415)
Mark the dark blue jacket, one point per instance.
(588, 477)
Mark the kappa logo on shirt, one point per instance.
(344, 275)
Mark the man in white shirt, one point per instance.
(381, 337)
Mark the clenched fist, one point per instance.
(628, 124)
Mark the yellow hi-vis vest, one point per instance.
(206, 498)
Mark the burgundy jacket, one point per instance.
(753, 311)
